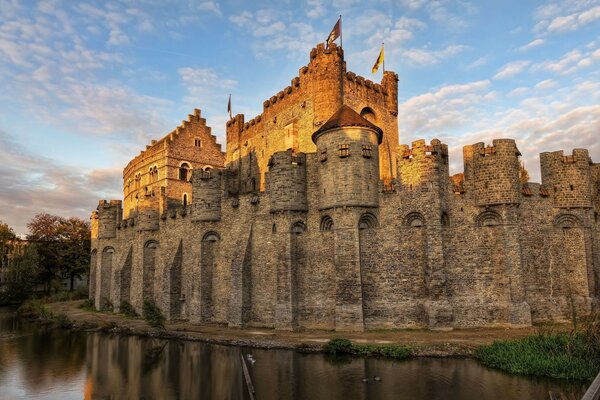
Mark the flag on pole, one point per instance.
(335, 32)
(379, 61)
(229, 105)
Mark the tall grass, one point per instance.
(573, 355)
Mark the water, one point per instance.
(41, 363)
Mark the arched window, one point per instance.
(326, 224)
(210, 236)
(153, 174)
(567, 221)
(414, 219)
(185, 199)
(367, 221)
(488, 218)
(368, 114)
(184, 171)
(298, 227)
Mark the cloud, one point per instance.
(561, 119)
(566, 16)
(531, 45)
(210, 6)
(315, 9)
(545, 84)
(31, 184)
(477, 63)
(427, 57)
(570, 62)
(511, 69)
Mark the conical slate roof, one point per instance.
(344, 117)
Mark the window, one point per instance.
(183, 171)
(153, 174)
(185, 200)
(367, 151)
(344, 150)
(323, 155)
(197, 142)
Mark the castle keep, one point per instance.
(316, 218)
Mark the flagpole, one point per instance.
(341, 34)
(383, 61)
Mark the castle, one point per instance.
(316, 218)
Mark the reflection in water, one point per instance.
(36, 362)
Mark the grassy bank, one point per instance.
(345, 346)
(574, 355)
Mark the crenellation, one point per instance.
(316, 218)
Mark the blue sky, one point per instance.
(84, 86)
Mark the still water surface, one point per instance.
(41, 363)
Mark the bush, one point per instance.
(344, 346)
(153, 315)
(572, 355)
(87, 305)
(127, 309)
(34, 309)
(63, 321)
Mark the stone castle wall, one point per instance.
(293, 233)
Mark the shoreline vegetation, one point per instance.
(562, 353)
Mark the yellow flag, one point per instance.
(378, 62)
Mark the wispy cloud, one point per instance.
(534, 43)
(511, 69)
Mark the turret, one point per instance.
(286, 181)
(390, 85)
(492, 172)
(569, 178)
(148, 211)
(347, 149)
(423, 167)
(109, 215)
(207, 194)
(326, 68)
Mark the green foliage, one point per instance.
(24, 274)
(66, 296)
(344, 346)
(153, 315)
(87, 305)
(34, 309)
(63, 321)
(127, 309)
(574, 355)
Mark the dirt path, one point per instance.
(427, 343)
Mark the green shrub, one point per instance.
(34, 309)
(87, 305)
(338, 346)
(63, 321)
(344, 346)
(564, 355)
(127, 309)
(153, 315)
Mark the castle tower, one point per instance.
(327, 67)
(424, 166)
(348, 151)
(492, 172)
(109, 215)
(148, 211)
(569, 178)
(286, 181)
(207, 194)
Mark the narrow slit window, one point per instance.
(323, 156)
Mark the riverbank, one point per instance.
(425, 343)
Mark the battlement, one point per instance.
(286, 181)
(492, 172)
(568, 178)
(423, 166)
(107, 214)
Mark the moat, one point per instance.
(48, 363)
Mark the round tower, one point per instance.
(287, 181)
(206, 195)
(568, 177)
(347, 150)
(492, 172)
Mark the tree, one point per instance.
(24, 273)
(63, 246)
(523, 174)
(7, 238)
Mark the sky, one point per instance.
(84, 86)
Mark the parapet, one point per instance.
(423, 166)
(207, 194)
